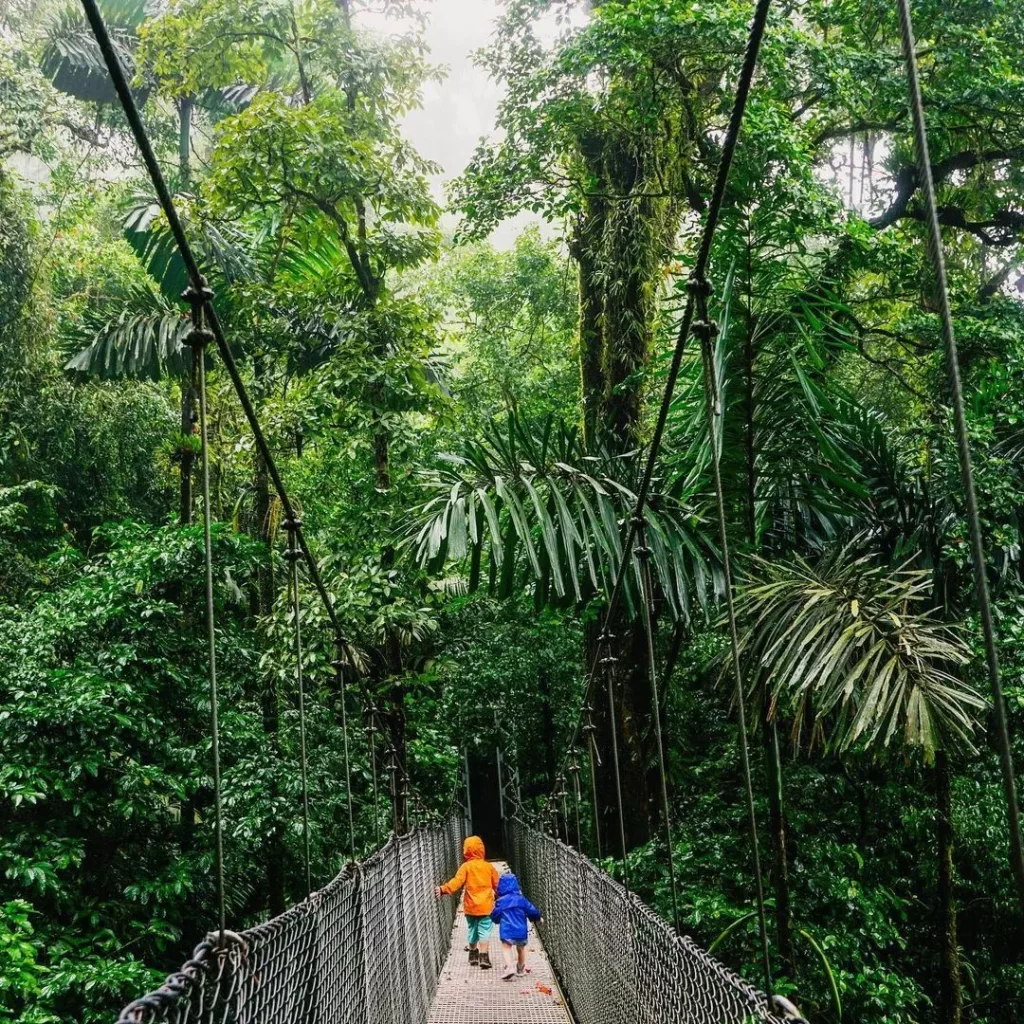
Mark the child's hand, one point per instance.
(437, 891)
(540, 920)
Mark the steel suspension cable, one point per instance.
(935, 253)
(574, 773)
(293, 555)
(647, 611)
(198, 338)
(610, 660)
(371, 746)
(712, 411)
(592, 759)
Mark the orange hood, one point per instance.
(473, 848)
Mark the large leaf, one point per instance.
(144, 340)
(561, 511)
(72, 60)
(855, 647)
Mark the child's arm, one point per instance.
(496, 913)
(453, 884)
(531, 911)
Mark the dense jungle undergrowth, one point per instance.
(463, 424)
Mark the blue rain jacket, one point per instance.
(512, 910)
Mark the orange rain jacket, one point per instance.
(479, 877)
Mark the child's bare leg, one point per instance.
(521, 958)
(509, 958)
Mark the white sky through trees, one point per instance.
(457, 112)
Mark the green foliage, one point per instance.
(20, 971)
(510, 319)
(490, 413)
(539, 493)
(849, 649)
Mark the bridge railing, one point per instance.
(618, 962)
(366, 949)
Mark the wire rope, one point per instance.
(198, 338)
(707, 331)
(339, 668)
(935, 253)
(646, 601)
(293, 555)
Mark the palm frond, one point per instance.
(145, 340)
(72, 60)
(852, 648)
(544, 510)
(772, 349)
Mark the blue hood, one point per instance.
(507, 885)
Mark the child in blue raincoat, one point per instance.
(511, 912)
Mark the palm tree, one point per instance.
(854, 654)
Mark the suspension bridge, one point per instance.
(375, 946)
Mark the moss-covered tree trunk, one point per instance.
(587, 251)
(620, 247)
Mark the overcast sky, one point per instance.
(457, 112)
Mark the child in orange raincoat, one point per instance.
(480, 879)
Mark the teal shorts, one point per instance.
(479, 928)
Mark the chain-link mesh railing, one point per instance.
(366, 949)
(618, 962)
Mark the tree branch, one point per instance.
(907, 183)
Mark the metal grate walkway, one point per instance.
(467, 995)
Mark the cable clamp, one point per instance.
(705, 330)
(198, 338)
(699, 286)
(198, 296)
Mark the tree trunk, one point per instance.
(621, 265)
(631, 260)
(185, 107)
(547, 730)
(950, 992)
(188, 405)
(587, 250)
(631, 690)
